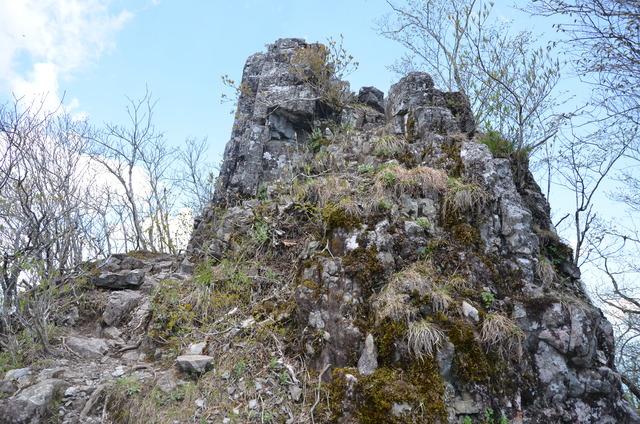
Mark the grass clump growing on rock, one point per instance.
(463, 198)
(389, 146)
(418, 181)
(502, 335)
(498, 145)
(424, 338)
(335, 216)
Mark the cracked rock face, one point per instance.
(498, 246)
(275, 112)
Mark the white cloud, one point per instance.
(44, 41)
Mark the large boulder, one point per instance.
(120, 304)
(275, 112)
(196, 364)
(415, 107)
(32, 404)
(88, 347)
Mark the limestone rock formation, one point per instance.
(428, 242)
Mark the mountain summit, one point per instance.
(366, 259)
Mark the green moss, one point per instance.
(466, 234)
(470, 363)
(336, 217)
(363, 265)
(410, 131)
(335, 392)
(387, 334)
(420, 386)
(453, 162)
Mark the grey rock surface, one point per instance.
(89, 347)
(124, 279)
(368, 362)
(120, 304)
(196, 364)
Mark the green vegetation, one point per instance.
(462, 198)
(487, 299)
(424, 223)
(334, 216)
(470, 363)
(323, 68)
(498, 145)
(363, 265)
(317, 140)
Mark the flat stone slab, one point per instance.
(88, 347)
(126, 279)
(197, 364)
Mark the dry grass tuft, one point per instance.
(423, 338)
(389, 146)
(502, 335)
(464, 198)
(545, 270)
(440, 298)
(419, 181)
(394, 305)
(394, 301)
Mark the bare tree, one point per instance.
(584, 163)
(604, 42)
(40, 210)
(119, 149)
(196, 178)
(509, 81)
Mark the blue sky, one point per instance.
(179, 49)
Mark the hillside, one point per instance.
(366, 259)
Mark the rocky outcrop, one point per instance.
(437, 277)
(275, 113)
(370, 262)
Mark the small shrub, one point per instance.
(366, 168)
(203, 274)
(240, 368)
(487, 299)
(261, 233)
(498, 145)
(317, 140)
(424, 222)
(128, 386)
(323, 68)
